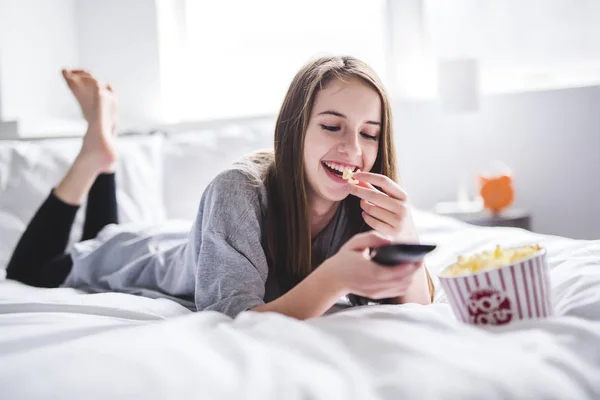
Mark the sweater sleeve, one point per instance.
(229, 262)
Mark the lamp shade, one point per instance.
(458, 85)
(1, 115)
(8, 129)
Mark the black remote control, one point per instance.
(395, 254)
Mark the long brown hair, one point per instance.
(288, 236)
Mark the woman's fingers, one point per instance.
(398, 272)
(367, 240)
(378, 225)
(396, 281)
(391, 218)
(390, 187)
(375, 197)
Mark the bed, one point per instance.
(66, 344)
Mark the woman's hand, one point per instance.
(387, 212)
(352, 270)
(384, 210)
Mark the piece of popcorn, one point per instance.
(348, 175)
(490, 260)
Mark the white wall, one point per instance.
(118, 41)
(37, 39)
(550, 139)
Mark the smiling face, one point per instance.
(322, 119)
(343, 132)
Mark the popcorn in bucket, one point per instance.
(496, 288)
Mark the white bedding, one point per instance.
(60, 343)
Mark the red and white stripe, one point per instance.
(526, 284)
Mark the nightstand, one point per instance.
(512, 217)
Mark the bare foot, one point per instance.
(99, 106)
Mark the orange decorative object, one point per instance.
(497, 192)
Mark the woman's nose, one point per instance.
(350, 144)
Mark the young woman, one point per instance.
(279, 231)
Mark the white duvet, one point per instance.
(63, 344)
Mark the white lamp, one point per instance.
(8, 129)
(459, 94)
(458, 85)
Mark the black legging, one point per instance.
(40, 258)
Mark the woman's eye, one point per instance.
(369, 137)
(331, 128)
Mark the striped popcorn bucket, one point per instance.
(499, 296)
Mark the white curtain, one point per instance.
(242, 55)
(518, 40)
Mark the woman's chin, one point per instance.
(335, 194)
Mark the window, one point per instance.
(236, 58)
(240, 56)
(518, 43)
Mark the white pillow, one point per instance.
(193, 159)
(30, 169)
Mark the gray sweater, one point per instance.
(219, 264)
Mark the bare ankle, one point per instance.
(75, 186)
(99, 149)
(93, 163)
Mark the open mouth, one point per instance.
(337, 169)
